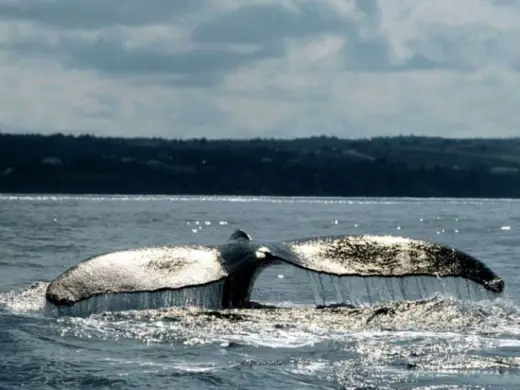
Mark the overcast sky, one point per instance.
(260, 68)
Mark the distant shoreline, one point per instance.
(229, 196)
(395, 167)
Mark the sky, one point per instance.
(260, 68)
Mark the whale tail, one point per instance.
(171, 275)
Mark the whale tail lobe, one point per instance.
(385, 256)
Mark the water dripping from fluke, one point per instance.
(205, 297)
(359, 291)
(328, 291)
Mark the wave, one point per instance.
(251, 199)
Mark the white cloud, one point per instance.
(265, 68)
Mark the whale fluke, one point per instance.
(147, 269)
(235, 265)
(386, 256)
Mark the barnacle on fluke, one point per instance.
(222, 276)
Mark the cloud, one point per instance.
(95, 14)
(370, 52)
(260, 68)
(189, 67)
(260, 23)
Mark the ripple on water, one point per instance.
(299, 327)
(390, 343)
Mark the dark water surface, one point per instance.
(443, 343)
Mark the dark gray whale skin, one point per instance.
(240, 260)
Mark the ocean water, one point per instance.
(446, 342)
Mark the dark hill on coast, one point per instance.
(317, 166)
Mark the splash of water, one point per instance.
(28, 300)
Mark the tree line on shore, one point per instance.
(316, 166)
